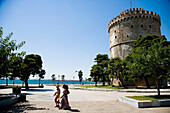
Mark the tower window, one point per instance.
(141, 25)
(115, 36)
(150, 26)
(131, 26)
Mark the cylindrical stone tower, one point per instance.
(128, 26)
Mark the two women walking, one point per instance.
(64, 97)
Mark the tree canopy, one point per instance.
(80, 75)
(150, 58)
(31, 65)
(8, 49)
(102, 62)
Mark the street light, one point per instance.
(75, 72)
(58, 78)
(73, 79)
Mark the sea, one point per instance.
(17, 81)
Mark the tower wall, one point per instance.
(128, 26)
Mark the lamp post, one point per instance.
(75, 72)
(58, 78)
(73, 80)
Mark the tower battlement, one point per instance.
(133, 13)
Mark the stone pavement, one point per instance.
(83, 101)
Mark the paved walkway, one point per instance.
(83, 101)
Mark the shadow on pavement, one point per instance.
(74, 110)
(20, 108)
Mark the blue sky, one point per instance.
(68, 34)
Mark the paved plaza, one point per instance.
(40, 100)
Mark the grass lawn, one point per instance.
(153, 97)
(107, 87)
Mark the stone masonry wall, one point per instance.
(128, 26)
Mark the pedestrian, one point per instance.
(64, 98)
(57, 94)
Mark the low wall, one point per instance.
(144, 104)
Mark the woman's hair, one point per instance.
(66, 87)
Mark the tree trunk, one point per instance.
(22, 83)
(147, 82)
(108, 80)
(112, 82)
(157, 85)
(6, 80)
(122, 83)
(95, 83)
(26, 85)
(103, 80)
(39, 81)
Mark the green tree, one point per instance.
(111, 69)
(53, 78)
(15, 63)
(31, 65)
(117, 67)
(89, 79)
(62, 77)
(41, 75)
(7, 48)
(80, 74)
(102, 61)
(96, 73)
(151, 58)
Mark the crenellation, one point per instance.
(125, 15)
(154, 14)
(127, 10)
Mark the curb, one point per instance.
(94, 89)
(123, 90)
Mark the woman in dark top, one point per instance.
(64, 98)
